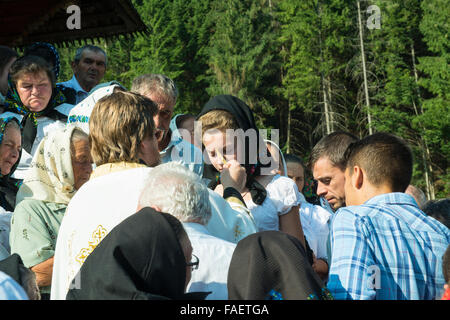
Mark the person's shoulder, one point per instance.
(33, 207)
(69, 83)
(348, 213)
(29, 205)
(9, 114)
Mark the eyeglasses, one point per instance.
(193, 264)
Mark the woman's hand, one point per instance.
(233, 175)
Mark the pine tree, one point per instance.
(241, 56)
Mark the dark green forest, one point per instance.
(305, 67)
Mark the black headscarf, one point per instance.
(272, 265)
(243, 116)
(8, 185)
(140, 259)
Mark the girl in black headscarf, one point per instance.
(272, 265)
(145, 257)
(272, 199)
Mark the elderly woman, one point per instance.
(10, 149)
(61, 165)
(33, 100)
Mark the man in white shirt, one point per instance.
(173, 189)
(89, 66)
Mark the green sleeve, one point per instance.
(29, 235)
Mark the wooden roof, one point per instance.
(23, 22)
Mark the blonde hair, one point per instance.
(118, 124)
(218, 119)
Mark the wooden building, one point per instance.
(23, 22)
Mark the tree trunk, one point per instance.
(328, 82)
(326, 107)
(288, 133)
(363, 61)
(428, 169)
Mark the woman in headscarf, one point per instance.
(34, 100)
(61, 165)
(272, 265)
(50, 54)
(145, 257)
(272, 199)
(10, 150)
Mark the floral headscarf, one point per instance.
(50, 177)
(37, 47)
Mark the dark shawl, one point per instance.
(245, 121)
(8, 186)
(11, 266)
(272, 265)
(140, 259)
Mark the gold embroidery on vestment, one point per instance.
(97, 236)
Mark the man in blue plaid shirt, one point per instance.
(383, 246)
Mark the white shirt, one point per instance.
(105, 201)
(214, 255)
(99, 205)
(74, 84)
(314, 221)
(44, 126)
(282, 195)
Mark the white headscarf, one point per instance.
(50, 177)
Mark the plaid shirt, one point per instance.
(387, 249)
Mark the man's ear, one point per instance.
(73, 64)
(357, 177)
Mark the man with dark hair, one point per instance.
(439, 210)
(383, 245)
(89, 66)
(328, 165)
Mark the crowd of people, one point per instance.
(105, 193)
